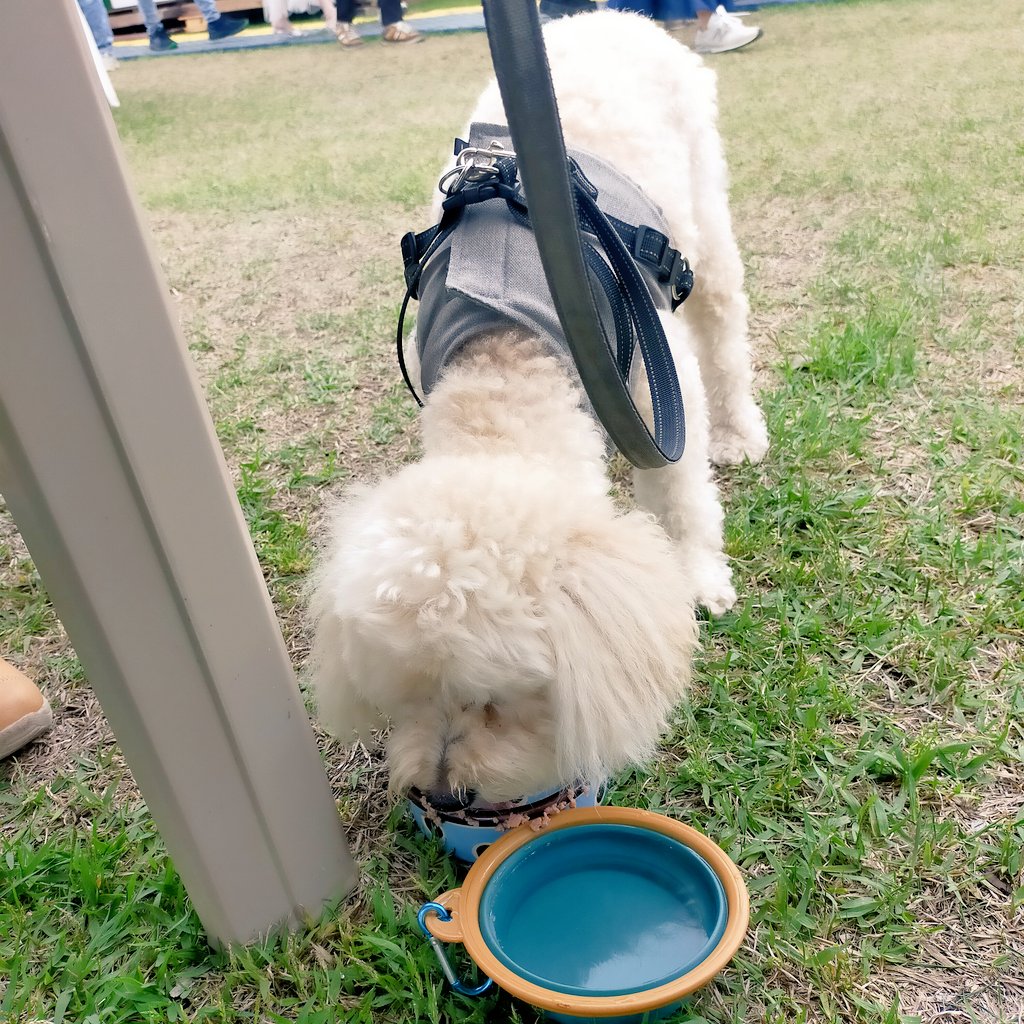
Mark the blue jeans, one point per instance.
(147, 8)
(99, 24)
(665, 10)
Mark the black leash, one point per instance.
(556, 210)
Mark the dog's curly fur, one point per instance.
(491, 602)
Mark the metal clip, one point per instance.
(446, 967)
(473, 164)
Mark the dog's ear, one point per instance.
(341, 706)
(408, 600)
(622, 632)
(338, 678)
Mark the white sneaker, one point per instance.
(110, 62)
(724, 32)
(287, 29)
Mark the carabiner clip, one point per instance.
(446, 967)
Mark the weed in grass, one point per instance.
(329, 473)
(391, 415)
(25, 610)
(323, 323)
(325, 381)
(66, 666)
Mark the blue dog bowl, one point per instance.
(608, 914)
(466, 834)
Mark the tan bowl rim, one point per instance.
(464, 905)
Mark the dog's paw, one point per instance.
(731, 445)
(713, 587)
(718, 602)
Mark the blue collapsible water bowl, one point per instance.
(609, 913)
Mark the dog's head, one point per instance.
(516, 635)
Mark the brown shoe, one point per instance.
(400, 32)
(24, 712)
(347, 34)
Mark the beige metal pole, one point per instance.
(110, 465)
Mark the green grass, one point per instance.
(855, 737)
(429, 6)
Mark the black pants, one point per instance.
(390, 10)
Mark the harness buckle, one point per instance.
(652, 247)
(680, 279)
(479, 192)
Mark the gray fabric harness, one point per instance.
(487, 275)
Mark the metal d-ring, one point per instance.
(472, 164)
(452, 180)
(446, 968)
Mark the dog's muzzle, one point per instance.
(447, 802)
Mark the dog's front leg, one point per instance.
(684, 496)
(719, 322)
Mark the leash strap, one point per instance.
(557, 208)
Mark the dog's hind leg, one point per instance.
(717, 314)
(684, 496)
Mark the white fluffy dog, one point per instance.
(515, 627)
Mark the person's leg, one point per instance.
(390, 12)
(395, 29)
(99, 24)
(279, 22)
(330, 13)
(345, 12)
(208, 9)
(147, 8)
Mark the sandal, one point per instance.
(347, 35)
(400, 32)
